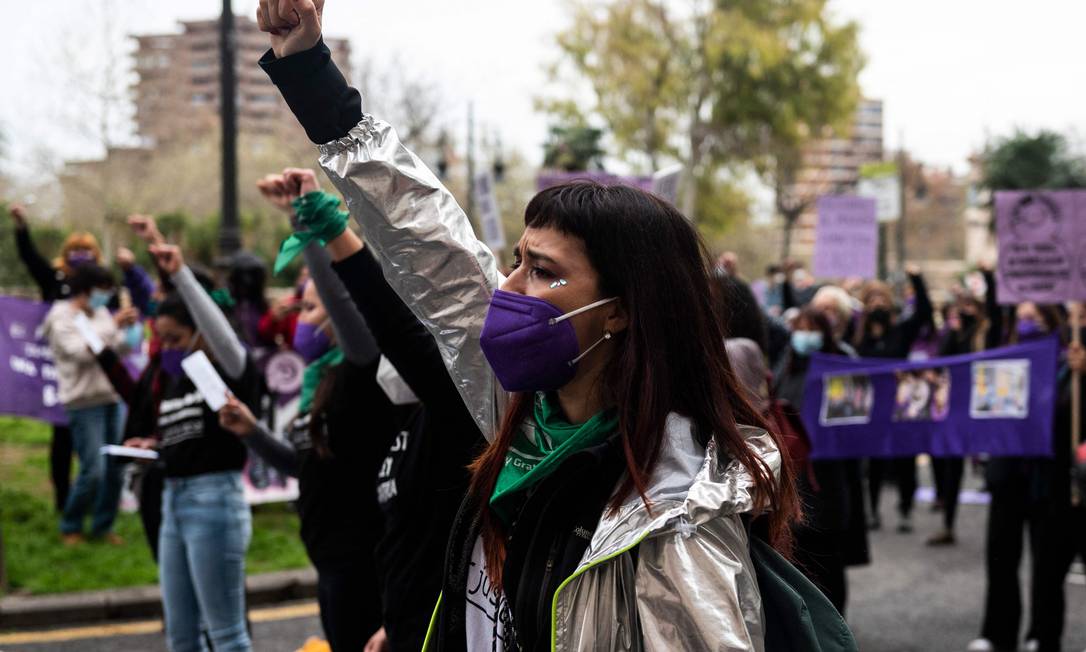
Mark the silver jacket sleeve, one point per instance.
(427, 250)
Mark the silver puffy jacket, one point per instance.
(693, 586)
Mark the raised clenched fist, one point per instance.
(146, 229)
(300, 181)
(168, 257)
(294, 25)
(274, 189)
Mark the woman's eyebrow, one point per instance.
(532, 253)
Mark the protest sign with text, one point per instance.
(1042, 245)
(847, 237)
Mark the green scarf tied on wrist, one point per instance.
(318, 218)
(313, 374)
(540, 447)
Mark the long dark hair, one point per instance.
(671, 358)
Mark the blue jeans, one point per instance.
(99, 479)
(206, 526)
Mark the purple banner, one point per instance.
(28, 379)
(1042, 246)
(549, 179)
(999, 402)
(847, 237)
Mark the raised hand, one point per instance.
(300, 181)
(274, 189)
(294, 25)
(145, 229)
(125, 258)
(168, 257)
(18, 215)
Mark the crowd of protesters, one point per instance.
(599, 447)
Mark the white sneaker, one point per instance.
(1032, 645)
(980, 645)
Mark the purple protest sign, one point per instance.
(1042, 246)
(847, 237)
(998, 402)
(29, 379)
(549, 179)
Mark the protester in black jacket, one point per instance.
(883, 335)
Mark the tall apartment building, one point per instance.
(177, 92)
(832, 165)
(176, 100)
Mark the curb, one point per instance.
(141, 602)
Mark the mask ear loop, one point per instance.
(554, 320)
(606, 336)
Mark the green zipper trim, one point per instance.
(433, 624)
(558, 591)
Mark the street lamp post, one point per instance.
(229, 234)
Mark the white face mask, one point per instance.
(396, 388)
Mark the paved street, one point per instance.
(912, 599)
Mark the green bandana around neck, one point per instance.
(539, 447)
(318, 218)
(313, 373)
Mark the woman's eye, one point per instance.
(539, 272)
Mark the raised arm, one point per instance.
(420, 236)
(352, 334)
(923, 312)
(994, 337)
(210, 321)
(135, 279)
(45, 277)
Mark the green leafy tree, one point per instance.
(1025, 161)
(573, 148)
(717, 86)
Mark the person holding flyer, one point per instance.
(206, 523)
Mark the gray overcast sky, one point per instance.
(950, 72)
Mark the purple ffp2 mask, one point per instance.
(530, 344)
(310, 341)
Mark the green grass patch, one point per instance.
(37, 562)
(14, 430)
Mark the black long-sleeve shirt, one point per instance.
(51, 282)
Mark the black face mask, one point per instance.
(968, 322)
(880, 316)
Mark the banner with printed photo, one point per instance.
(27, 376)
(998, 402)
